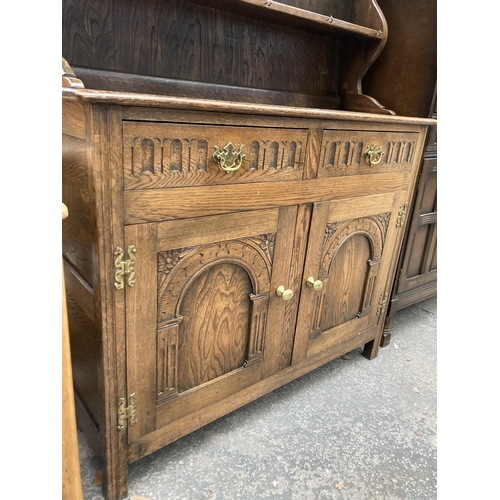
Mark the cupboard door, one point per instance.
(350, 247)
(197, 315)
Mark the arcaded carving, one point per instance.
(151, 159)
(347, 157)
(374, 228)
(177, 268)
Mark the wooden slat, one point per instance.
(161, 204)
(351, 208)
(311, 268)
(136, 99)
(106, 182)
(141, 300)
(278, 345)
(334, 336)
(191, 232)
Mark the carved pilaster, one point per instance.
(371, 276)
(319, 302)
(257, 328)
(166, 361)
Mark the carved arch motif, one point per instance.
(374, 228)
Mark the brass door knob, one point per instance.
(284, 294)
(314, 284)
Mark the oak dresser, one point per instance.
(237, 206)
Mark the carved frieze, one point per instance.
(343, 155)
(176, 155)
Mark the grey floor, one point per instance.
(352, 429)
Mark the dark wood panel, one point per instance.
(197, 43)
(129, 82)
(404, 75)
(339, 9)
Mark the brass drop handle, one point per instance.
(374, 154)
(228, 158)
(284, 294)
(314, 284)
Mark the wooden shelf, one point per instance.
(295, 17)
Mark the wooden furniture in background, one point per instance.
(238, 205)
(404, 77)
(71, 478)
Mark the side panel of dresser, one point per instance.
(92, 189)
(416, 276)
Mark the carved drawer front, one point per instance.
(351, 152)
(158, 155)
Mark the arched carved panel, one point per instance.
(219, 287)
(177, 268)
(347, 275)
(349, 266)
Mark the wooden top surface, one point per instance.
(161, 101)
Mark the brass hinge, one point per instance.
(381, 304)
(124, 267)
(126, 412)
(402, 214)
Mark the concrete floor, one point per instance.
(352, 429)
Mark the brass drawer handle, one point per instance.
(229, 159)
(284, 294)
(314, 284)
(374, 154)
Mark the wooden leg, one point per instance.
(386, 335)
(370, 350)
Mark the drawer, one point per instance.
(343, 152)
(158, 155)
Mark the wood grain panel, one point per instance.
(159, 204)
(197, 43)
(345, 286)
(213, 335)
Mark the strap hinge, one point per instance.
(127, 413)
